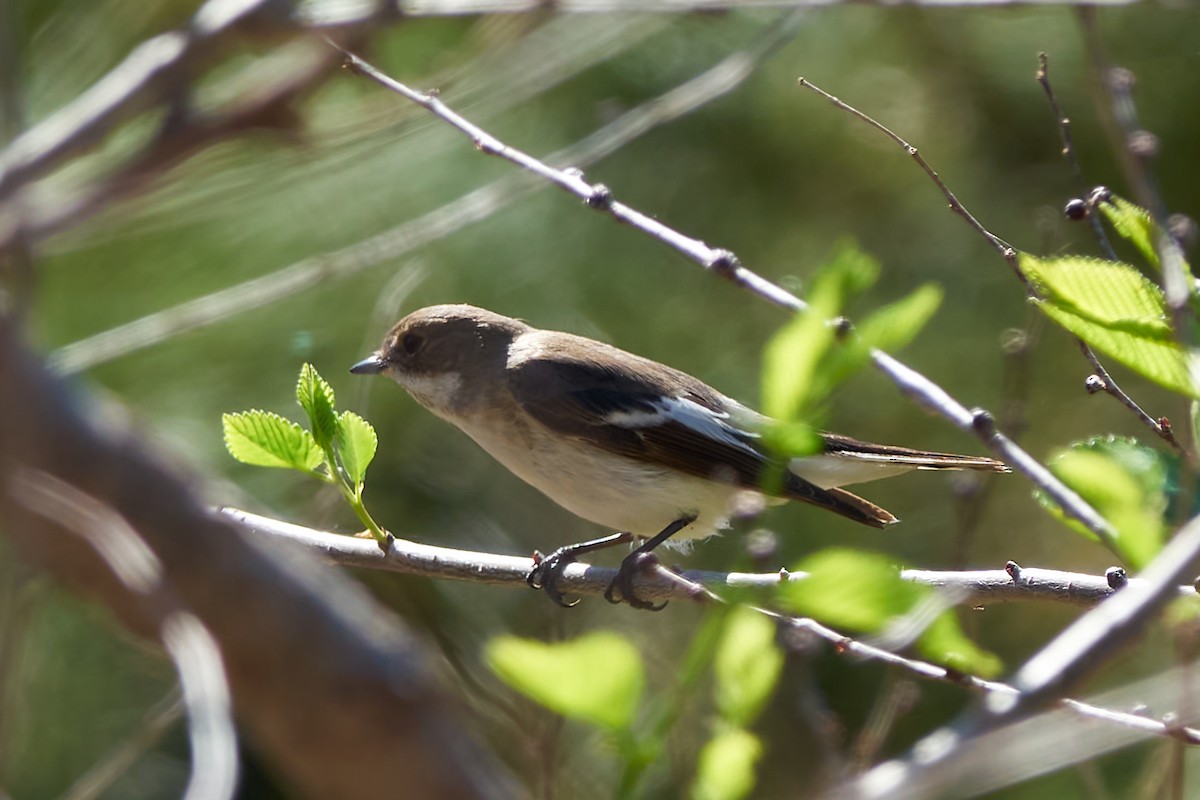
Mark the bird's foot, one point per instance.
(546, 572)
(621, 588)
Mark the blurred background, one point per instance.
(768, 170)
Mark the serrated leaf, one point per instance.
(1133, 224)
(597, 678)
(356, 443)
(1126, 483)
(1109, 293)
(268, 440)
(1153, 354)
(850, 589)
(315, 396)
(725, 767)
(747, 665)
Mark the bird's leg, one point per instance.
(621, 587)
(549, 568)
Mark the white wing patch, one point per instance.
(704, 421)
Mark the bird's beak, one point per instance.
(371, 365)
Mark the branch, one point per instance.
(982, 586)
(726, 265)
(974, 587)
(475, 206)
(1104, 381)
(1056, 670)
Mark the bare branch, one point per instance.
(725, 264)
(475, 206)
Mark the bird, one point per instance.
(641, 448)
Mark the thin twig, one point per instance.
(1010, 255)
(1161, 427)
(977, 587)
(726, 265)
(1068, 151)
(475, 206)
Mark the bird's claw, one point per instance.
(546, 571)
(621, 588)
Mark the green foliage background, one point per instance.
(770, 171)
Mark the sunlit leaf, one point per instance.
(850, 589)
(1126, 483)
(1106, 292)
(1133, 224)
(356, 442)
(725, 768)
(864, 593)
(896, 324)
(944, 642)
(597, 678)
(1154, 355)
(746, 666)
(268, 440)
(795, 382)
(315, 396)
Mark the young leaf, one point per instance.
(794, 382)
(747, 665)
(1116, 310)
(1105, 292)
(1133, 224)
(896, 324)
(597, 678)
(863, 592)
(725, 768)
(315, 396)
(944, 642)
(1126, 483)
(268, 440)
(850, 589)
(356, 443)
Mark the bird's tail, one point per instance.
(836, 445)
(838, 501)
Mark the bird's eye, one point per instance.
(412, 342)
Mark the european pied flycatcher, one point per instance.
(618, 439)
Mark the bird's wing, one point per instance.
(660, 416)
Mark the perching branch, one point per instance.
(975, 587)
(726, 265)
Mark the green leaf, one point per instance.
(356, 443)
(1133, 224)
(1118, 311)
(1126, 483)
(850, 589)
(944, 642)
(315, 396)
(1153, 355)
(268, 440)
(794, 381)
(1109, 293)
(725, 768)
(864, 592)
(747, 665)
(597, 678)
(896, 324)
